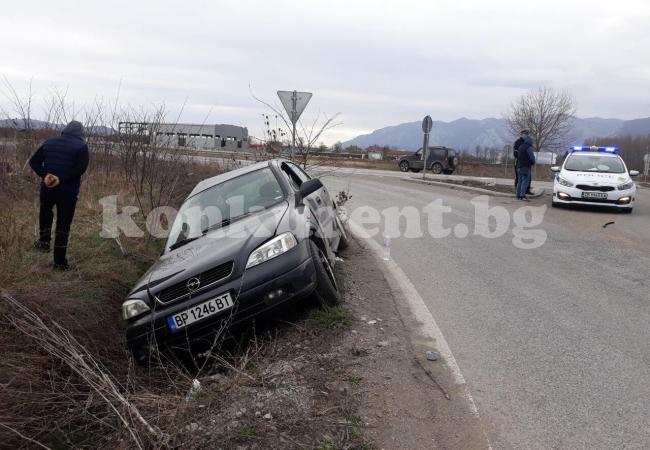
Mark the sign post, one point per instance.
(294, 103)
(427, 124)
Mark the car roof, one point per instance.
(218, 179)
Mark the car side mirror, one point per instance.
(634, 173)
(310, 186)
(555, 168)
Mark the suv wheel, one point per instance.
(436, 168)
(404, 166)
(326, 291)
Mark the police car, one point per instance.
(594, 176)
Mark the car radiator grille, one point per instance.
(586, 187)
(207, 278)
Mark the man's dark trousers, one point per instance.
(65, 203)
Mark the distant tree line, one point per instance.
(633, 148)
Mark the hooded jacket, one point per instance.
(525, 154)
(65, 156)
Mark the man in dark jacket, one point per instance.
(60, 162)
(515, 153)
(525, 160)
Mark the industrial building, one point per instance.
(194, 136)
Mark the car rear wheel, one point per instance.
(436, 168)
(326, 291)
(404, 166)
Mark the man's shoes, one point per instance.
(525, 199)
(62, 267)
(42, 246)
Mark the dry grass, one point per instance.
(67, 381)
(65, 374)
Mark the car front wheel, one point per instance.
(404, 166)
(326, 291)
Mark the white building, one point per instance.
(194, 136)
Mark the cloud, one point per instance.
(379, 63)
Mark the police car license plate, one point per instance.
(199, 312)
(594, 195)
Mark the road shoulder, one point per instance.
(435, 398)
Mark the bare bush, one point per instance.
(307, 135)
(152, 167)
(548, 114)
(62, 346)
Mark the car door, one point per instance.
(319, 202)
(416, 162)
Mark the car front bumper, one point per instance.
(614, 198)
(293, 273)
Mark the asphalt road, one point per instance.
(554, 342)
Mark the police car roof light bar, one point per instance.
(585, 148)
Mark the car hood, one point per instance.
(595, 177)
(230, 243)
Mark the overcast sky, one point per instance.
(378, 63)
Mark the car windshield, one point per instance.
(594, 163)
(221, 204)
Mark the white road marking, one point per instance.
(429, 327)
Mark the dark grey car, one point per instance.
(242, 242)
(439, 160)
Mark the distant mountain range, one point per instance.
(465, 134)
(21, 124)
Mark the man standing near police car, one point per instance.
(525, 161)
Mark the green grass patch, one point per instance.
(331, 317)
(354, 379)
(246, 432)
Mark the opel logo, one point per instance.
(193, 284)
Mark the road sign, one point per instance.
(294, 103)
(427, 124)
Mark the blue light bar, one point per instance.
(584, 148)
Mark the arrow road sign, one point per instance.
(294, 103)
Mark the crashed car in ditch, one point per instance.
(241, 243)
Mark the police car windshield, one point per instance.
(594, 163)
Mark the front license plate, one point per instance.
(594, 195)
(199, 312)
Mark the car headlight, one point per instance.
(133, 307)
(564, 182)
(275, 247)
(625, 186)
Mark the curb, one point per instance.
(469, 188)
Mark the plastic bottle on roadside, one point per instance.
(386, 248)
